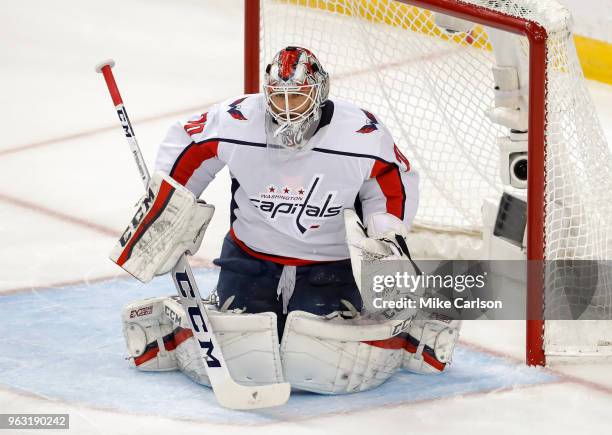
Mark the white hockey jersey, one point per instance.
(287, 206)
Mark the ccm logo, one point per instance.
(401, 326)
(141, 312)
(125, 122)
(174, 317)
(144, 206)
(198, 323)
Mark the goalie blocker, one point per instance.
(169, 221)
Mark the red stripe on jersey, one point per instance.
(287, 261)
(191, 159)
(401, 158)
(165, 192)
(196, 126)
(390, 181)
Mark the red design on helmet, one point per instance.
(289, 58)
(297, 66)
(295, 87)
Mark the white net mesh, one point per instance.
(432, 90)
(373, 64)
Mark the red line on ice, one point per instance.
(565, 377)
(101, 229)
(95, 131)
(203, 106)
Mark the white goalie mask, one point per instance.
(295, 87)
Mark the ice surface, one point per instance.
(68, 183)
(67, 344)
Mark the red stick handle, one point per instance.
(112, 85)
(106, 69)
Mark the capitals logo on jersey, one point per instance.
(372, 123)
(234, 110)
(298, 204)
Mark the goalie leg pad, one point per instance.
(430, 345)
(249, 343)
(149, 335)
(337, 356)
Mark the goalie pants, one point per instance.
(253, 283)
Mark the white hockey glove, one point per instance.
(384, 239)
(169, 222)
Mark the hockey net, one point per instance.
(432, 89)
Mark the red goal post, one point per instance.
(537, 37)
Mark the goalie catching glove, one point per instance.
(384, 239)
(169, 222)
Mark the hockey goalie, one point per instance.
(317, 184)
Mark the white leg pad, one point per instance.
(336, 356)
(149, 335)
(430, 345)
(159, 338)
(249, 343)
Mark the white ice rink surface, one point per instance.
(68, 183)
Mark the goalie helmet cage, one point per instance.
(432, 88)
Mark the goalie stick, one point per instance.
(228, 392)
